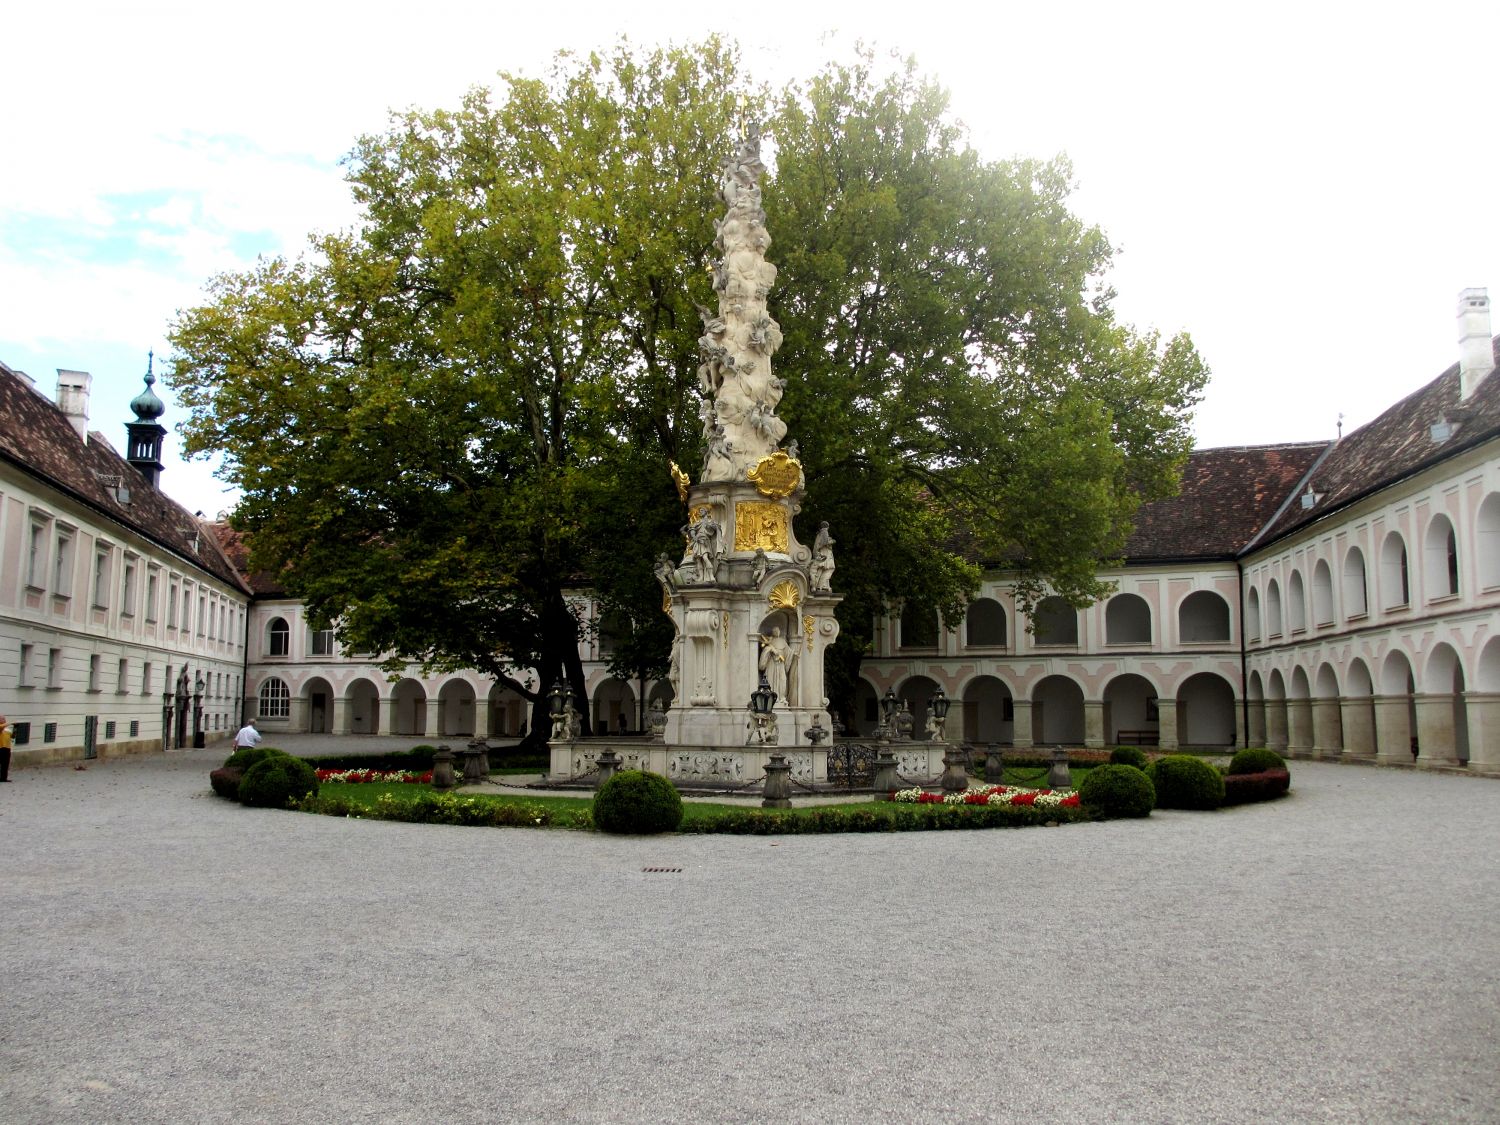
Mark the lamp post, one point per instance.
(889, 705)
(939, 703)
(955, 769)
(557, 708)
(198, 711)
(762, 718)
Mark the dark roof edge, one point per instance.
(33, 471)
(1379, 486)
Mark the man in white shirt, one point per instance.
(247, 736)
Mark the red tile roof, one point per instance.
(39, 439)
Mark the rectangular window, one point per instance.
(28, 654)
(201, 622)
(49, 732)
(151, 585)
(223, 622)
(322, 642)
(54, 668)
(210, 622)
(187, 612)
(62, 568)
(127, 590)
(123, 677)
(36, 555)
(20, 734)
(172, 607)
(101, 579)
(109, 728)
(146, 678)
(94, 672)
(135, 727)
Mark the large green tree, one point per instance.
(447, 420)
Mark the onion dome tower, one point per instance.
(144, 435)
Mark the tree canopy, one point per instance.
(451, 417)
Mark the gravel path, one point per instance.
(171, 957)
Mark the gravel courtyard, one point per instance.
(171, 957)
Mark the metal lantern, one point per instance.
(198, 685)
(890, 705)
(940, 704)
(762, 699)
(557, 700)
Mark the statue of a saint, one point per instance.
(820, 569)
(703, 546)
(776, 661)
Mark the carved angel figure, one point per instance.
(820, 569)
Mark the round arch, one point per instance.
(1299, 712)
(1487, 539)
(1203, 616)
(317, 701)
(989, 711)
(1127, 620)
(1322, 594)
(985, 624)
(614, 706)
(362, 707)
(1057, 711)
(1355, 584)
(1296, 603)
(1130, 708)
(1487, 677)
(455, 703)
(1252, 615)
(1055, 622)
(1277, 719)
(509, 711)
(409, 707)
(1440, 558)
(866, 717)
(1255, 694)
(1273, 609)
(1205, 711)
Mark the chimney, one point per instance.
(1476, 355)
(73, 398)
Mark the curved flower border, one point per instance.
(371, 777)
(992, 795)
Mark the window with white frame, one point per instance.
(172, 606)
(275, 699)
(27, 670)
(36, 555)
(278, 638)
(122, 677)
(94, 672)
(152, 583)
(62, 566)
(322, 642)
(54, 668)
(146, 678)
(127, 589)
(101, 578)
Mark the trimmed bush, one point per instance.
(1111, 791)
(226, 782)
(1185, 782)
(635, 802)
(273, 781)
(1256, 759)
(251, 755)
(1243, 788)
(1129, 756)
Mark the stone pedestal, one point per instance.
(955, 777)
(442, 769)
(887, 779)
(778, 787)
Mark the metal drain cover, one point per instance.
(662, 870)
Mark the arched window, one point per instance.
(613, 629)
(1356, 599)
(275, 699)
(278, 638)
(1252, 615)
(919, 626)
(1441, 558)
(1056, 622)
(1127, 620)
(1488, 557)
(1395, 581)
(1203, 616)
(984, 624)
(1296, 604)
(1322, 591)
(1273, 610)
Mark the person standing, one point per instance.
(4, 748)
(247, 736)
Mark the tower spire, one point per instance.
(144, 435)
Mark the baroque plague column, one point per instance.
(752, 606)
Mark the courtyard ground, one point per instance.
(168, 956)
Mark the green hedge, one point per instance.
(248, 756)
(1129, 756)
(273, 781)
(1185, 782)
(1256, 759)
(884, 817)
(637, 803)
(1111, 791)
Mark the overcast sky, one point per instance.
(1304, 188)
